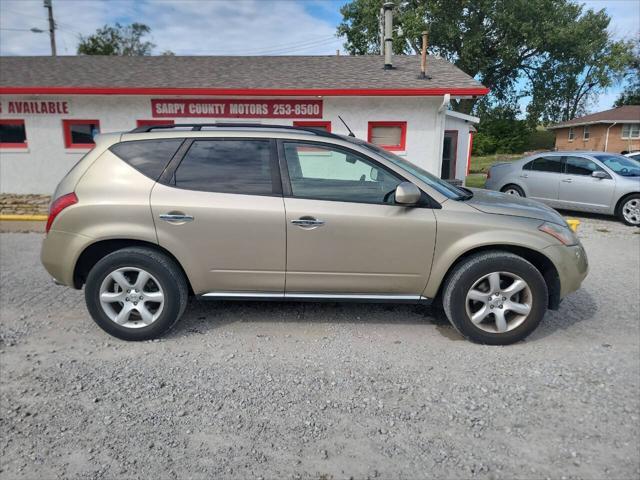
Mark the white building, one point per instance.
(51, 107)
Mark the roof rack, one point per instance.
(196, 127)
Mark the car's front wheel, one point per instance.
(513, 190)
(495, 298)
(629, 210)
(136, 293)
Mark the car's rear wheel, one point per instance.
(629, 210)
(495, 298)
(136, 293)
(513, 190)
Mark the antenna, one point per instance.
(345, 124)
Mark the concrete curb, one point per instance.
(23, 218)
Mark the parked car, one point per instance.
(633, 155)
(152, 216)
(597, 182)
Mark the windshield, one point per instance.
(620, 164)
(441, 186)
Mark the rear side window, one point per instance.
(545, 164)
(227, 166)
(149, 157)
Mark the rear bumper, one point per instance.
(59, 254)
(572, 266)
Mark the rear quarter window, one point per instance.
(149, 157)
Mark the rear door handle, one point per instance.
(524, 175)
(176, 217)
(567, 180)
(308, 222)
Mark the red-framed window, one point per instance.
(13, 134)
(80, 133)
(388, 135)
(319, 124)
(150, 123)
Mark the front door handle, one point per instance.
(176, 217)
(308, 223)
(524, 175)
(567, 180)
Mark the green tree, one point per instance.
(122, 40)
(509, 45)
(631, 93)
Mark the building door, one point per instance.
(449, 153)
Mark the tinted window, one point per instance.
(580, 166)
(13, 131)
(227, 166)
(545, 164)
(332, 174)
(148, 156)
(82, 132)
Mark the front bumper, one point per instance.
(572, 266)
(59, 254)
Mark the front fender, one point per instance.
(461, 231)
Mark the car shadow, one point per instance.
(204, 316)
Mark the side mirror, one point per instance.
(373, 174)
(407, 194)
(600, 174)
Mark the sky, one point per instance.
(221, 27)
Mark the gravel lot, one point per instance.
(279, 390)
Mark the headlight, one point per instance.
(563, 234)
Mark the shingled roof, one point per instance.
(343, 75)
(624, 114)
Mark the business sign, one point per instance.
(236, 108)
(34, 107)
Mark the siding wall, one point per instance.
(40, 167)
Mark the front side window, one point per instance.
(572, 134)
(545, 164)
(327, 173)
(150, 157)
(388, 135)
(13, 134)
(227, 166)
(625, 166)
(581, 166)
(631, 130)
(80, 133)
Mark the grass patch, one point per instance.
(482, 164)
(476, 180)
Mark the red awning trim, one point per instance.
(258, 92)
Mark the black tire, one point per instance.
(513, 187)
(619, 212)
(465, 274)
(169, 276)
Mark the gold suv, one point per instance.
(260, 212)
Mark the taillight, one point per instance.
(58, 205)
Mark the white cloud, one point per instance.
(186, 27)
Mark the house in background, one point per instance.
(616, 130)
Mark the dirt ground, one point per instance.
(293, 390)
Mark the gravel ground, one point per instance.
(291, 390)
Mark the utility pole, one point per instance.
(52, 27)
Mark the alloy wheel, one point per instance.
(131, 297)
(499, 302)
(512, 191)
(631, 211)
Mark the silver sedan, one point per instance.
(597, 182)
